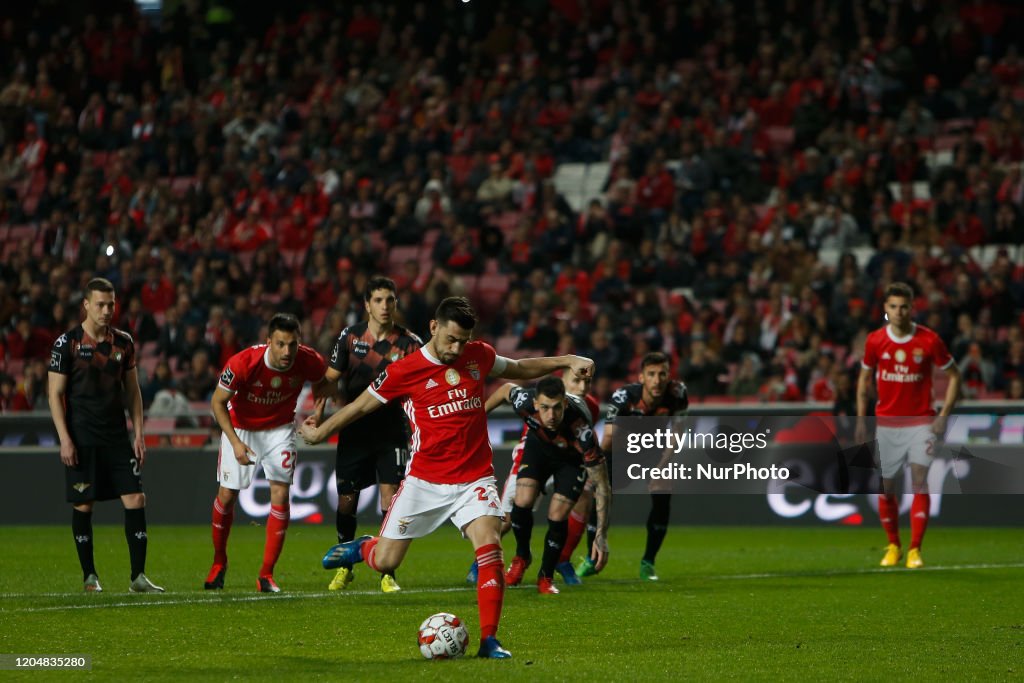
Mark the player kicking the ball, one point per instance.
(902, 357)
(254, 404)
(451, 473)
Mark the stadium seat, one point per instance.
(400, 254)
(491, 290)
(147, 364)
(430, 238)
(318, 316)
(293, 258)
(506, 344)
(780, 137)
(24, 231)
(180, 186)
(14, 367)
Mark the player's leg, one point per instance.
(277, 529)
(80, 491)
(891, 458)
(232, 476)
(416, 510)
(353, 472)
(657, 528)
(567, 487)
(275, 451)
(920, 456)
(583, 518)
(577, 523)
(479, 517)
(527, 491)
(125, 479)
(508, 497)
(391, 460)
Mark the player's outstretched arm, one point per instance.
(57, 386)
(603, 505)
(532, 368)
(133, 399)
(949, 400)
(364, 404)
(499, 397)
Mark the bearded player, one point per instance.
(254, 404)
(451, 472)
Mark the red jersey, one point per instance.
(903, 370)
(262, 397)
(449, 442)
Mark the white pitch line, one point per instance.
(221, 598)
(872, 570)
(213, 600)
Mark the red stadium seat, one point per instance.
(400, 254)
(491, 290)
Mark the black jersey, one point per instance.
(360, 358)
(574, 439)
(96, 369)
(629, 402)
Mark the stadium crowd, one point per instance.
(772, 167)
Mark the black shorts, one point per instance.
(538, 464)
(360, 464)
(103, 473)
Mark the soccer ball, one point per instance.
(443, 636)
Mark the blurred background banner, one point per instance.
(180, 486)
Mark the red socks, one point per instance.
(221, 525)
(889, 513)
(369, 552)
(490, 587)
(577, 525)
(919, 511)
(277, 525)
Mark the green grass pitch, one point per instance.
(733, 603)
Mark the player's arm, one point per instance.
(133, 399)
(330, 391)
(603, 505)
(532, 368)
(57, 386)
(863, 398)
(950, 399)
(219, 406)
(499, 396)
(364, 404)
(606, 437)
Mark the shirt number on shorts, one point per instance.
(287, 462)
(135, 467)
(481, 493)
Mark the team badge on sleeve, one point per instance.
(54, 359)
(380, 380)
(227, 377)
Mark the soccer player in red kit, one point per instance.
(902, 357)
(451, 473)
(254, 404)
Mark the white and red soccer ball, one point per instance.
(443, 636)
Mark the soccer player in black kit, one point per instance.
(375, 448)
(654, 394)
(92, 378)
(560, 442)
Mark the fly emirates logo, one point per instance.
(902, 374)
(458, 400)
(268, 399)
